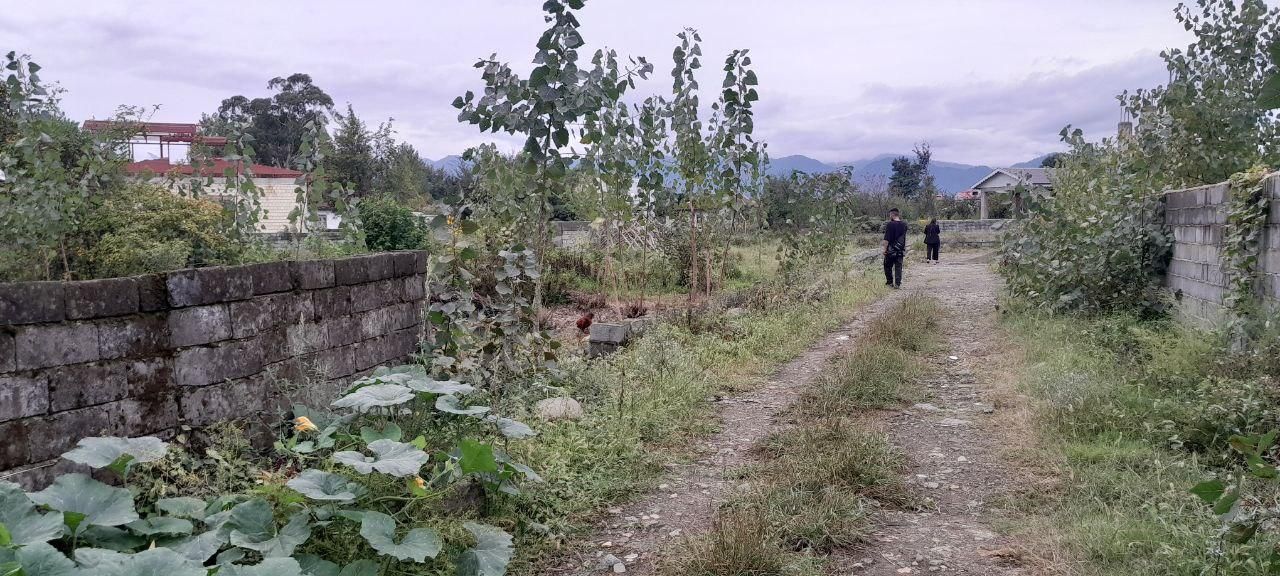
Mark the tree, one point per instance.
(910, 179)
(277, 123)
(352, 161)
(1051, 160)
(1207, 123)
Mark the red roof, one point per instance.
(215, 168)
(967, 195)
(165, 131)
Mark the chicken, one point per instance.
(584, 323)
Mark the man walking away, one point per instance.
(932, 239)
(895, 248)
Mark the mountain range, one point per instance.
(950, 177)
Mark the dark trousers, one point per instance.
(893, 270)
(931, 252)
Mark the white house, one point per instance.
(278, 185)
(1005, 180)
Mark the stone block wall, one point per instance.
(1196, 217)
(989, 225)
(148, 354)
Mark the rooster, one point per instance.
(584, 323)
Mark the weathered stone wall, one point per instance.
(988, 225)
(145, 355)
(1196, 217)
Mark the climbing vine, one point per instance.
(1243, 236)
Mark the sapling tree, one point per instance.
(738, 154)
(688, 148)
(549, 106)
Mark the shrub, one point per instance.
(389, 225)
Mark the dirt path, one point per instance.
(954, 439)
(953, 456)
(686, 501)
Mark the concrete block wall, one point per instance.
(989, 225)
(145, 355)
(1196, 217)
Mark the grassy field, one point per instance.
(1130, 416)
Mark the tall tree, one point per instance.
(352, 161)
(277, 123)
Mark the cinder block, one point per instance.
(226, 401)
(404, 263)
(250, 317)
(404, 315)
(609, 333)
(404, 343)
(198, 286)
(381, 266)
(204, 365)
(148, 377)
(8, 354)
(56, 345)
(153, 292)
(22, 397)
(306, 338)
(31, 302)
(332, 302)
(311, 274)
(376, 323)
(274, 344)
(82, 385)
(147, 415)
(133, 336)
(101, 298)
(199, 325)
(343, 330)
(270, 277)
(50, 437)
(14, 450)
(373, 295)
(415, 287)
(336, 362)
(369, 353)
(349, 271)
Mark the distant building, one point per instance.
(279, 197)
(1006, 180)
(969, 194)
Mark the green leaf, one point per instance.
(476, 457)
(375, 396)
(491, 554)
(116, 453)
(182, 507)
(325, 486)
(513, 428)
(1269, 96)
(268, 567)
(165, 525)
(389, 432)
(200, 547)
(153, 562)
(41, 559)
(360, 568)
(1225, 504)
(22, 523)
(391, 457)
(313, 565)
(253, 527)
(440, 387)
(502, 458)
(469, 227)
(1209, 490)
(418, 544)
(451, 404)
(99, 504)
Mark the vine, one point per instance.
(1243, 236)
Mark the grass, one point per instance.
(644, 405)
(1132, 415)
(816, 484)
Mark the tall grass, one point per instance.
(816, 484)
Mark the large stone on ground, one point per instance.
(562, 408)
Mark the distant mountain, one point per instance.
(451, 164)
(950, 177)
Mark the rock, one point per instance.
(984, 408)
(619, 568)
(950, 422)
(608, 561)
(931, 485)
(735, 312)
(961, 459)
(562, 408)
(925, 407)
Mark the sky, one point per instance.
(983, 81)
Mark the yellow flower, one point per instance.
(420, 483)
(303, 424)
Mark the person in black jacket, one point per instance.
(895, 247)
(932, 239)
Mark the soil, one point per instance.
(951, 440)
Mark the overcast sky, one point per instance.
(984, 81)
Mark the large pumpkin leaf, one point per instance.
(360, 568)
(158, 525)
(326, 486)
(182, 507)
(430, 386)
(491, 553)
(417, 545)
(375, 396)
(390, 431)
(268, 567)
(39, 559)
(112, 451)
(111, 538)
(88, 501)
(253, 527)
(22, 522)
(152, 562)
(200, 547)
(503, 458)
(512, 428)
(450, 403)
(391, 457)
(476, 457)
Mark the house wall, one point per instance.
(148, 354)
(1000, 180)
(1196, 217)
(278, 197)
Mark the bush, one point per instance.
(391, 226)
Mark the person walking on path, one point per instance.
(932, 240)
(895, 248)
